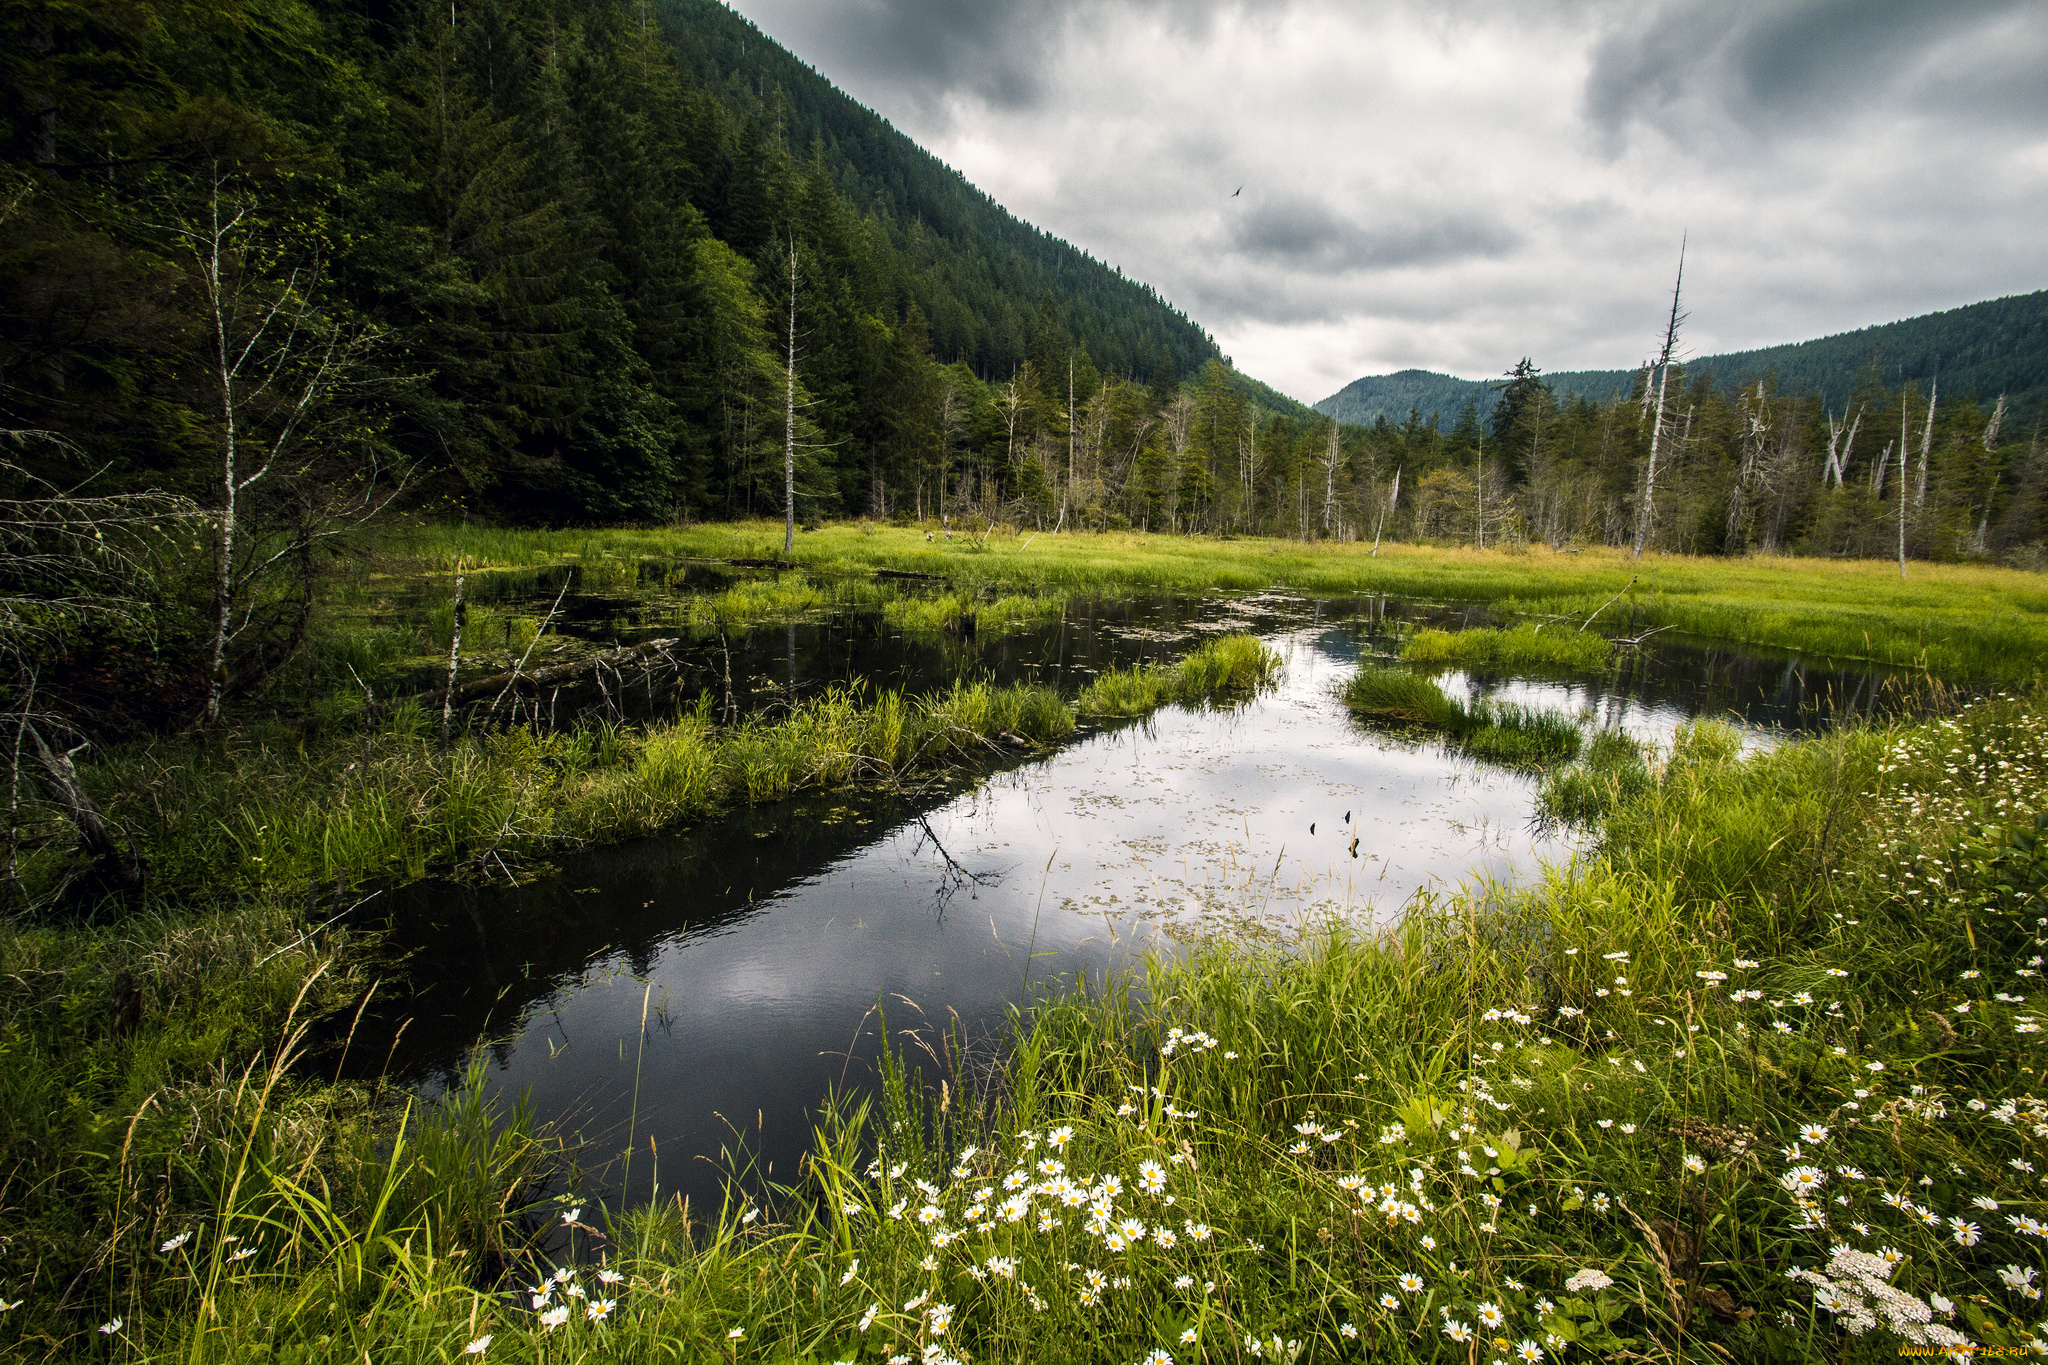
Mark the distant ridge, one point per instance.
(1999, 346)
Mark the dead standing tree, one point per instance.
(289, 385)
(1646, 508)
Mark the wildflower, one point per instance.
(108, 1329)
(2025, 1226)
(2017, 1278)
(1584, 1280)
(867, 1319)
(929, 1214)
(1457, 1331)
(168, 1247)
(1190, 1337)
(1529, 1351)
(479, 1346)
(736, 1334)
(1059, 1137)
(1966, 1234)
(1347, 1331)
(1411, 1283)
(1489, 1315)
(1157, 1357)
(1164, 1238)
(1428, 1242)
(940, 1318)
(1803, 1179)
(1389, 1302)
(1813, 1132)
(1151, 1177)
(1694, 1163)
(851, 1271)
(555, 1316)
(1198, 1232)
(600, 1309)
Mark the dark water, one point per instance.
(708, 989)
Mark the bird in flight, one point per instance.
(1236, 192)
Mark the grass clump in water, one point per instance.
(1226, 669)
(1522, 647)
(1496, 732)
(751, 602)
(1612, 771)
(966, 612)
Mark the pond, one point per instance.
(694, 997)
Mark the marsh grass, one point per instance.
(261, 811)
(1652, 1107)
(952, 611)
(1956, 621)
(1612, 771)
(1225, 670)
(1522, 648)
(1496, 732)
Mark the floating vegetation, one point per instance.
(1496, 732)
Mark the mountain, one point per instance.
(1982, 349)
(979, 273)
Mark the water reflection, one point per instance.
(709, 988)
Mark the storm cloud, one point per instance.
(1455, 185)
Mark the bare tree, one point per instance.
(1926, 444)
(1841, 446)
(789, 419)
(1646, 510)
(1756, 431)
(288, 382)
(1329, 462)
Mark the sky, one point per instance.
(1338, 189)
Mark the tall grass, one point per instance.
(1497, 732)
(1734, 1086)
(1522, 648)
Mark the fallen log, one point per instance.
(551, 676)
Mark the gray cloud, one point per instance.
(1454, 185)
(1698, 69)
(1309, 234)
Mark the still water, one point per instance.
(706, 990)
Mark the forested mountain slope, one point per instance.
(1981, 350)
(534, 253)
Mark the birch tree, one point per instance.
(292, 423)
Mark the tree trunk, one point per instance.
(117, 860)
